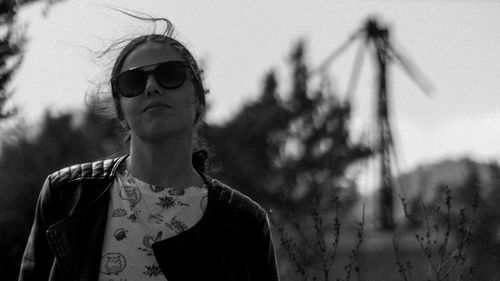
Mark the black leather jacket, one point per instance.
(232, 241)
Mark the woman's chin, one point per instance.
(158, 131)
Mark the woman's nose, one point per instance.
(152, 87)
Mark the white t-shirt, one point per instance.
(139, 215)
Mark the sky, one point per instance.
(454, 43)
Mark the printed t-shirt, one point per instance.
(139, 215)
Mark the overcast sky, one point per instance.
(455, 43)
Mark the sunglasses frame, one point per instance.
(116, 88)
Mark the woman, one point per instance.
(153, 214)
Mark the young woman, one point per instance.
(152, 214)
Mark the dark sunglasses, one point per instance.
(132, 82)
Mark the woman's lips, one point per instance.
(155, 104)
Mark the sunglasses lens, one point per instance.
(131, 83)
(171, 74)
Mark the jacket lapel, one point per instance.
(77, 239)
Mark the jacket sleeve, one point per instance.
(264, 266)
(38, 258)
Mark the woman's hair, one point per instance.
(200, 152)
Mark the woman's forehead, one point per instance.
(150, 53)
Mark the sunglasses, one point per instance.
(132, 82)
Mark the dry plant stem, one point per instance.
(404, 270)
(321, 244)
(321, 248)
(420, 239)
(404, 267)
(355, 251)
(442, 248)
(325, 256)
(446, 264)
(443, 259)
(458, 256)
(290, 248)
(465, 228)
(304, 238)
(426, 248)
(336, 228)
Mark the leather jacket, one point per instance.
(232, 241)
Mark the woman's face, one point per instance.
(158, 112)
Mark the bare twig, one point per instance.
(443, 265)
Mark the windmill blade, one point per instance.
(411, 69)
(337, 52)
(356, 70)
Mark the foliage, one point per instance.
(314, 250)
(444, 241)
(447, 234)
(485, 242)
(286, 150)
(10, 50)
(12, 41)
(290, 153)
(243, 151)
(26, 160)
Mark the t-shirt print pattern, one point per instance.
(139, 215)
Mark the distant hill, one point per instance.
(422, 185)
(425, 181)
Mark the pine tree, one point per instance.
(10, 48)
(319, 147)
(12, 42)
(285, 151)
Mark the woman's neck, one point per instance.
(166, 163)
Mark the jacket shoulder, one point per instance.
(101, 169)
(237, 201)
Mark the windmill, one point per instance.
(376, 36)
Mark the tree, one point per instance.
(485, 240)
(26, 160)
(243, 146)
(290, 153)
(11, 45)
(286, 152)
